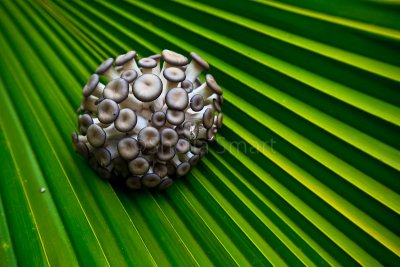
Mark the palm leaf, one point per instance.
(304, 172)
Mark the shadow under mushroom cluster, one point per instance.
(148, 125)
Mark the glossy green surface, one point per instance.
(304, 172)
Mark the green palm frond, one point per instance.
(305, 170)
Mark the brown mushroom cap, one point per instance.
(106, 65)
(129, 75)
(175, 117)
(122, 59)
(197, 102)
(147, 63)
(107, 111)
(182, 169)
(147, 87)
(187, 85)
(133, 182)
(165, 183)
(103, 156)
(182, 146)
(158, 119)
(212, 84)
(211, 133)
(220, 118)
(200, 61)
(128, 148)
(139, 166)
(96, 135)
(208, 118)
(84, 121)
(170, 169)
(91, 85)
(149, 137)
(177, 98)
(160, 169)
(117, 90)
(174, 58)
(126, 120)
(165, 153)
(216, 105)
(80, 147)
(169, 137)
(174, 74)
(151, 180)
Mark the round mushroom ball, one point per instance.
(146, 121)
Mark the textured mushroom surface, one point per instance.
(151, 121)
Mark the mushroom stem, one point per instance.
(89, 103)
(156, 69)
(102, 125)
(132, 103)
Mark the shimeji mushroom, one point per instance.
(107, 111)
(128, 62)
(107, 70)
(147, 65)
(93, 87)
(147, 125)
(196, 66)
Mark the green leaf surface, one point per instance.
(304, 172)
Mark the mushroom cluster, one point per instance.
(144, 124)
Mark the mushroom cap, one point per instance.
(107, 111)
(129, 75)
(147, 87)
(148, 137)
(221, 99)
(96, 135)
(197, 102)
(187, 85)
(106, 65)
(160, 169)
(103, 156)
(126, 120)
(220, 118)
(165, 183)
(84, 121)
(117, 90)
(208, 118)
(212, 84)
(158, 119)
(80, 147)
(200, 61)
(122, 59)
(216, 105)
(90, 85)
(174, 74)
(139, 166)
(177, 98)
(194, 160)
(174, 58)
(156, 57)
(175, 117)
(128, 148)
(133, 182)
(169, 137)
(182, 169)
(147, 63)
(165, 153)
(182, 146)
(151, 180)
